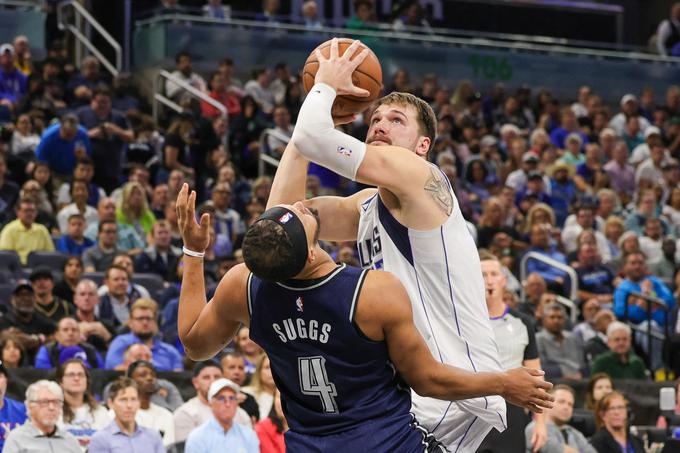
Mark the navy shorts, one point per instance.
(390, 434)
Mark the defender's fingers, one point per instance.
(191, 206)
(205, 222)
(545, 385)
(334, 49)
(535, 372)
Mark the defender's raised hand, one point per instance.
(526, 388)
(336, 71)
(196, 236)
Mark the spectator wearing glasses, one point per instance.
(221, 430)
(82, 414)
(99, 257)
(611, 419)
(144, 329)
(44, 400)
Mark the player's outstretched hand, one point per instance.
(525, 387)
(336, 71)
(196, 236)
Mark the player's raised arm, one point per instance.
(392, 167)
(205, 328)
(384, 306)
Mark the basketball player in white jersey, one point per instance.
(410, 226)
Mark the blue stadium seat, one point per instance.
(53, 260)
(152, 282)
(5, 293)
(97, 277)
(10, 260)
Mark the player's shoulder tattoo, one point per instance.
(439, 190)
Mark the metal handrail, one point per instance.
(448, 40)
(573, 293)
(158, 96)
(82, 13)
(266, 158)
(573, 309)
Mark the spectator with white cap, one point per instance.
(641, 151)
(221, 430)
(13, 83)
(629, 107)
(518, 178)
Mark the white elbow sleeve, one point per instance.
(317, 139)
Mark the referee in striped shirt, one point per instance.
(516, 342)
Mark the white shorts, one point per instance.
(454, 425)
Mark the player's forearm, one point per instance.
(451, 383)
(290, 182)
(192, 301)
(317, 139)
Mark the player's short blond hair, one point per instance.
(427, 120)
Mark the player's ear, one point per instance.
(423, 145)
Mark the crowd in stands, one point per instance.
(91, 253)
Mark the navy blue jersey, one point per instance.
(332, 378)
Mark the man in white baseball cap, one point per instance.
(629, 107)
(220, 430)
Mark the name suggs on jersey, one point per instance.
(297, 328)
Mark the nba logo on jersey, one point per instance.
(286, 217)
(300, 305)
(344, 151)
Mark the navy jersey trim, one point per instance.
(249, 294)
(352, 311)
(396, 231)
(304, 285)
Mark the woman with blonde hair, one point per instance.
(262, 386)
(613, 230)
(133, 209)
(540, 213)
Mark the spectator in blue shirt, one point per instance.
(539, 238)
(13, 83)
(62, 144)
(12, 412)
(568, 125)
(67, 345)
(634, 309)
(74, 241)
(595, 280)
(562, 190)
(144, 329)
(221, 430)
(124, 433)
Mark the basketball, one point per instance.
(367, 76)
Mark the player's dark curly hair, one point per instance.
(268, 251)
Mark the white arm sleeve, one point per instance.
(317, 139)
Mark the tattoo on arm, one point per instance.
(440, 192)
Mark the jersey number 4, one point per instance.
(314, 381)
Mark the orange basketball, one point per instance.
(367, 76)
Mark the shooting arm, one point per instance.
(315, 136)
(206, 328)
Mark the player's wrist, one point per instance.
(325, 89)
(192, 253)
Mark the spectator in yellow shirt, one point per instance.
(23, 235)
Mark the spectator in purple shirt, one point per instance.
(621, 174)
(568, 125)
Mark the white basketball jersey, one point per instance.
(441, 272)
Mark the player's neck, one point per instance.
(322, 266)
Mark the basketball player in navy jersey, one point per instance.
(410, 226)
(332, 334)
